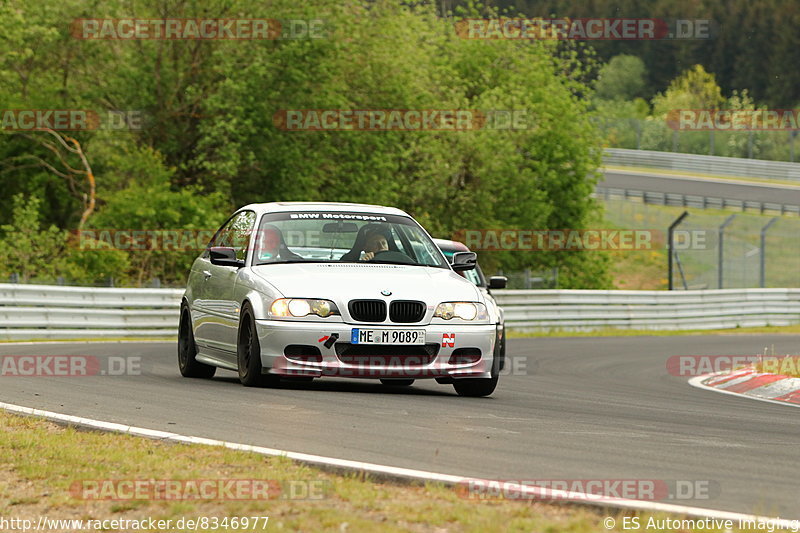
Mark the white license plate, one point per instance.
(387, 336)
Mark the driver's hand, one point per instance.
(368, 256)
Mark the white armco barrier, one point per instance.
(56, 312)
(703, 164)
(705, 309)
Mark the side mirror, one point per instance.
(223, 256)
(498, 282)
(464, 261)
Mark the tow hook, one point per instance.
(333, 338)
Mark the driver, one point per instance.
(360, 248)
(375, 243)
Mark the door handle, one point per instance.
(207, 273)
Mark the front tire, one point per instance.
(477, 387)
(248, 352)
(187, 350)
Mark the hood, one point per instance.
(342, 282)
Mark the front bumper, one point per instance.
(275, 335)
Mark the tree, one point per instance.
(622, 78)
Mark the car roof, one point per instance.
(336, 207)
(446, 245)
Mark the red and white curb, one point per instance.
(747, 382)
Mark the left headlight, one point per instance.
(300, 307)
(462, 310)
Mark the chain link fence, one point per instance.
(718, 249)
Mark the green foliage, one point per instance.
(623, 78)
(187, 215)
(44, 254)
(26, 248)
(210, 143)
(752, 44)
(693, 89)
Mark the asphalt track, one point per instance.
(728, 189)
(576, 408)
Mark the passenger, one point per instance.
(272, 247)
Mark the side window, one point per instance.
(236, 233)
(472, 275)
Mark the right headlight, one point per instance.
(462, 310)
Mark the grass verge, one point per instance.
(614, 332)
(42, 461)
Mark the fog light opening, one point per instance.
(465, 356)
(303, 353)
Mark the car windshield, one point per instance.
(343, 237)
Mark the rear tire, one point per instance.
(503, 350)
(398, 382)
(248, 353)
(187, 350)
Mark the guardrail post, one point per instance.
(720, 252)
(763, 270)
(670, 246)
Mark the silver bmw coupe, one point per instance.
(297, 291)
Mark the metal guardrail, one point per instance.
(55, 312)
(580, 310)
(703, 164)
(691, 200)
